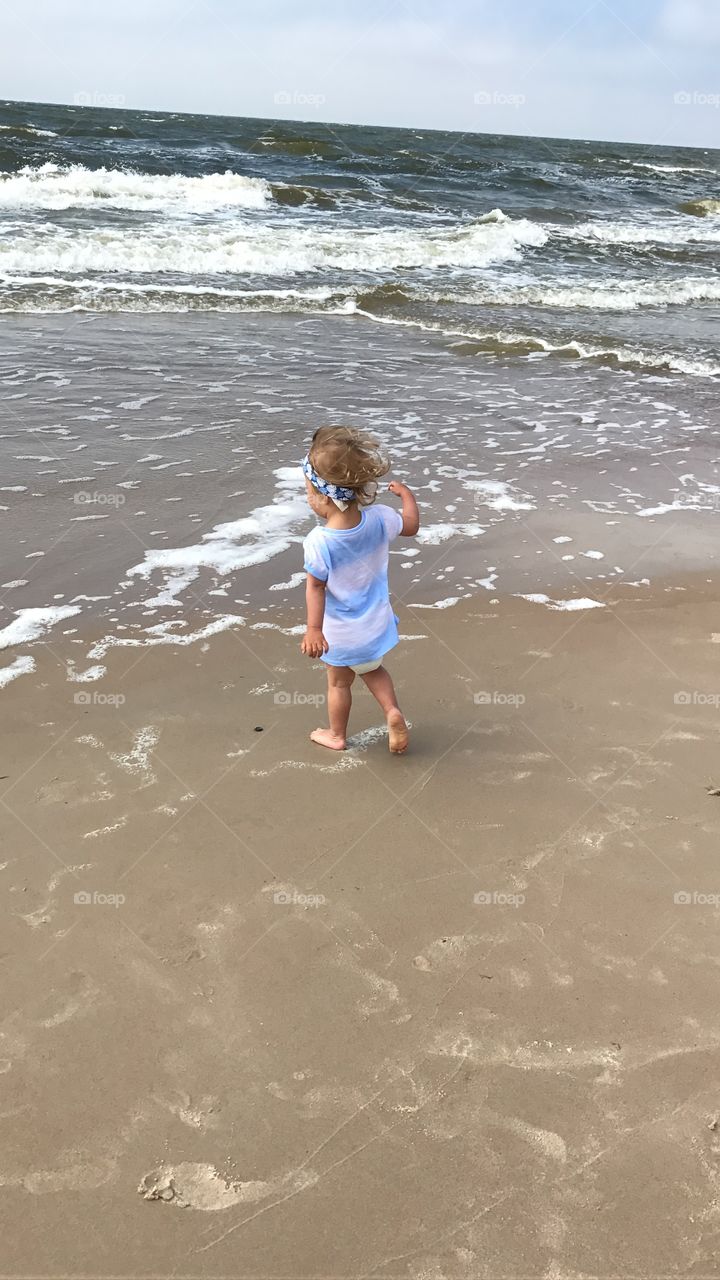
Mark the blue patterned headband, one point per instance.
(339, 493)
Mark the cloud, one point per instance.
(594, 71)
(691, 22)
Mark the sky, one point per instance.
(631, 70)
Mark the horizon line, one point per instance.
(354, 124)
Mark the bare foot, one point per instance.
(328, 739)
(397, 731)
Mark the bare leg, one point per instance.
(339, 702)
(380, 684)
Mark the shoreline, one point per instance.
(147, 501)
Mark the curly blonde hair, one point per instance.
(350, 457)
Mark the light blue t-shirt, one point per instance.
(359, 624)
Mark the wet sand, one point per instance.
(133, 451)
(328, 1016)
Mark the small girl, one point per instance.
(350, 622)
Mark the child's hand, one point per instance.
(314, 644)
(410, 513)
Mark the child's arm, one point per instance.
(314, 643)
(410, 513)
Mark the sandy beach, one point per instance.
(272, 1012)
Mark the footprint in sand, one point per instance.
(200, 1186)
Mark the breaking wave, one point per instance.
(285, 249)
(51, 186)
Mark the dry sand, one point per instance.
(354, 1015)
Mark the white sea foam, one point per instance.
(297, 630)
(242, 247)
(137, 760)
(170, 296)
(50, 186)
(160, 294)
(224, 623)
(86, 677)
(341, 765)
(447, 603)
(137, 403)
(678, 230)
(253, 539)
(704, 497)
(368, 737)
(663, 508)
(598, 295)
(672, 168)
(28, 128)
(20, 667)
(523, 344)
(104, 831)
(431, 535)
(498, 495)
(30, 624)
(294, 581)
(620, 354)
(569, 606)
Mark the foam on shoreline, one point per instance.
(20, 667)
(32, 624)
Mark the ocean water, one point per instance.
(567, 249)
(530, 325)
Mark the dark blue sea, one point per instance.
(587, 250)
(531, 325)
